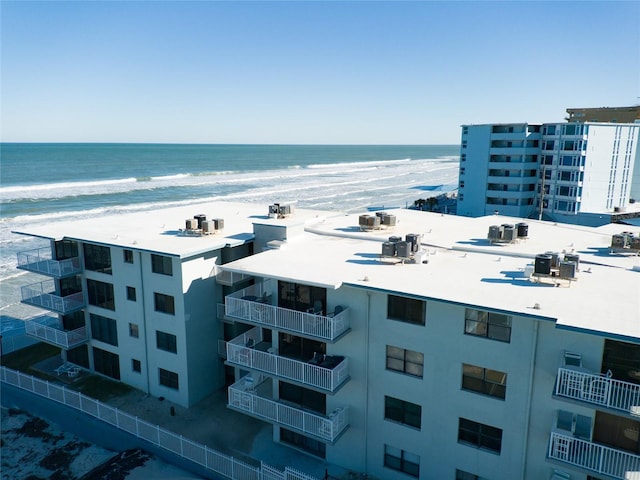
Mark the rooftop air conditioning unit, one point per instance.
(191, 224)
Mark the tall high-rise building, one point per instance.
(583, 173)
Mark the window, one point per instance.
(97, 258)
(168, 379)
(161, 264)
(405, 309)
(127, 256)
(402, 461)
(462, 475)
(484, 380)
(106, 363)
(166, 342)
(314, 447)
(131, 294)
(66, 249)
(576, 425)
(495, 326)
(135, 365)
(104, 329)
(100, 294)
(164, 303)
(405, 361)
(403, 412)
(133, 330)
(479, 435)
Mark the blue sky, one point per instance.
(306, 72)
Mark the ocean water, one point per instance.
(56, 182)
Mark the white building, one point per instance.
(570, 172)
(435, 354)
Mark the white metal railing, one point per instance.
(40, 260)
(39, 295)
(245, 305)
(241, 351)
(598, 390)
(197, 453)
(243, 396)
(592, 456)
(61, 338)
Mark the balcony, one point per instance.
(42, 295)
(591, 456)
(40, 261)
(45, 329)
(249, 351)
(249, 307)
(253, 398)
(598, 390)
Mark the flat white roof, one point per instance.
(159, 230)
(463, 267)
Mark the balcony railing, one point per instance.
(241, 351)
(60, 338)
(41, 295)
(252, 308)
(592, 456)
(598, 390)
(40, 261)
(243, 396)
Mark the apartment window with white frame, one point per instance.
(479, 435)
(405, 361)
(462, 475)
(484, 381)
(164, 303)
(168, 378)
(405, 309)
(481, 323)
(401, 460)
(403, 412)
(161, 264)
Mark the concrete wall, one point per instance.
(476, 170)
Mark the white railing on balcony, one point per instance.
(40, 261)
(243, 396)
(41, 295)
(598, 389)
(241, 351)
(60, 338)
(252, 308)
(592, 456)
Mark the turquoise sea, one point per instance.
(56, 182)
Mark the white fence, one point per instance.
(42, 294)
(598, 389)
(202, 455)
(592, 456)
(61, 338)
(239, 353)
(40, 261)
(243, 396)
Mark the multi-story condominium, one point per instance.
(582, 173)
(403, 344)
(604, 114)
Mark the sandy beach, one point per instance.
(33, 448)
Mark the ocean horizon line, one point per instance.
(241, 144)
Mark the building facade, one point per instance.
(604, 114)
(573, 172)
(415, 347)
